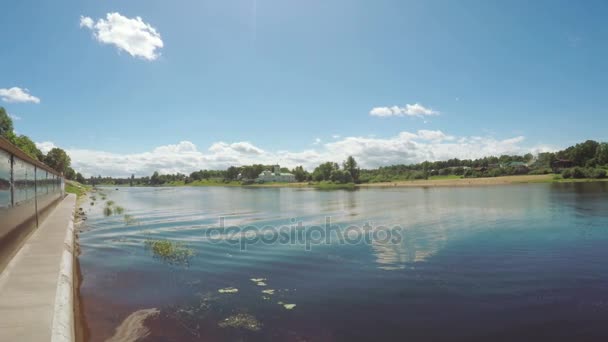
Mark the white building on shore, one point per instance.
(275, 176)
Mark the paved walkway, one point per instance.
(36, 286)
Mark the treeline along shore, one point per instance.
(587, 161)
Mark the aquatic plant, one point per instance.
(107, 211)
(129, 220)
(170, 251)
(92, 203)
(287, 306)
(242, 321)
(118, 210)
(228, 290)
(110, 203)
(269, 291)
(259, 281)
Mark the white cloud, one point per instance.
(45, 146)
(317, 141)
(370, 152)
(433, 135)
(244, 148)
(132, 35)
(14, 117)
(16, 94)
(86, 22)
(415, 109)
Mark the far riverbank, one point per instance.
(437, 181)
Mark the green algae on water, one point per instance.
(241, 321)
(174, 253)
(228, 290)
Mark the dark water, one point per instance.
(513, 262)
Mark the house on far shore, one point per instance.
(275, 176)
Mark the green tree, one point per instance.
(232, 173)
(58, 160)
(155, 179)
(79, 178)
(70, 173)
(341, 177)
(545, 159)
(601, 154)
(323, 171)
(300, 174)
(25, 144)
(6, 124)
(580, 153)
(350, 165)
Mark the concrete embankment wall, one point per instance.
(29, 190)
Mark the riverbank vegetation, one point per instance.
(73, 187)
(587, 160)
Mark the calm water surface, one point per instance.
(513, 262)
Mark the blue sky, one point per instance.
(295, 81)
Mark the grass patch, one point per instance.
(110, 203)
(445, 177)
(76, 188)
(241, 321)
(118, 210)
(107, 211)
(175, 253)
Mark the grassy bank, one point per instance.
(73, 187)
(502, 180)
(433, 181)
(210, 182)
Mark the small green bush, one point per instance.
(579, 173)
(596, 173)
